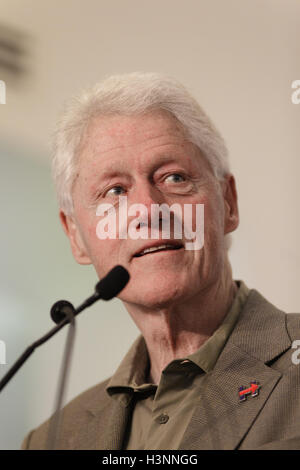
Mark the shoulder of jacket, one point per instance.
(75, 413)
(293, 325)
(87, 398)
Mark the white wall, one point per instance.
(239, 59)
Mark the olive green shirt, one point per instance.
(162, 412)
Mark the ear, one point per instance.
(77, 245)
(231, 211)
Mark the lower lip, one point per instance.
(162, 252)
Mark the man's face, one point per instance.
(148, 160)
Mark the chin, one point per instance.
(154, 295)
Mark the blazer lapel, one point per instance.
(107, 427)
(110, 415)
(220, 420)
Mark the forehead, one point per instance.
(119, 143)
(108, 133)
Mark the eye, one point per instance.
(177, 183)
(115, 191)
(175, 178)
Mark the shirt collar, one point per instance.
(133, 370)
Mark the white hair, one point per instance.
(131, 94)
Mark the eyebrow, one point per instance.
(111, 173)
(166, 159)
(116, 168)
(119, 168)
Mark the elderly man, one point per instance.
(213, 366)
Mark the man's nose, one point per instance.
(146, 193)
(144, 199)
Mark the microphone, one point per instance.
(112, 284)
(63, 312)
(62, 309)
(106, 289)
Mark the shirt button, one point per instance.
(163, 418)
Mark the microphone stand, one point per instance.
(63, 312)
(106, 289)
(53, 434)
(66, 319)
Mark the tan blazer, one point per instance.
(259, 349)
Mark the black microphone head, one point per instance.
(112, 283)
(60, 310)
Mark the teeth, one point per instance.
(155, 248)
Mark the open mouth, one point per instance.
(155, 249)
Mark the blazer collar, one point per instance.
(221, 421)
(261, 329)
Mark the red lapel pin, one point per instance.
(253, 390)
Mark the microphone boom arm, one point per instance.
(106, 289)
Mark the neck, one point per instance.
(180, 330)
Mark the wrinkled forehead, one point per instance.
(107, 133)
(154, 138)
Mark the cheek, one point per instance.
(212, 209)
(88, 228)
(104, 252)
(97, 245)
(213, 223)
